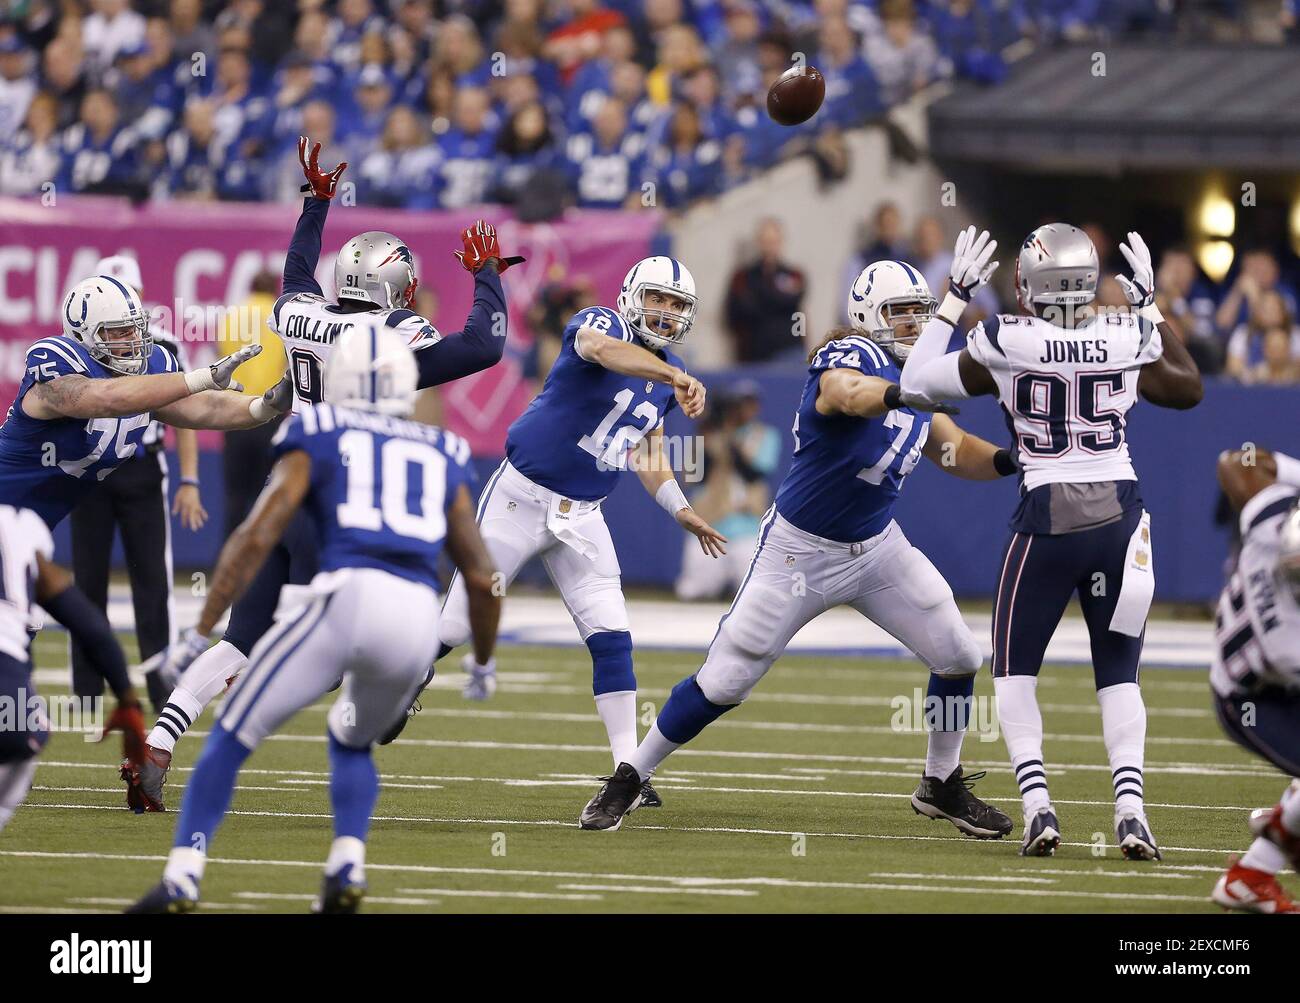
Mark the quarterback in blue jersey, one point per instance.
(830, 540)
(375, 282)
(386, 495)
(88, 395)
(603, 405)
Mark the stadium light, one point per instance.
(1218, 217)
(1215, 258)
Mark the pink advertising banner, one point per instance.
(198, 259)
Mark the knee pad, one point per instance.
(611, 662)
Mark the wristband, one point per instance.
(893, 396)
(191, 482)
(1288, 469)
(198, 380)
(261, 411)
(671, 497)
(1151, 314)
(951, 309)
(1004, 462)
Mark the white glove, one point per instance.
(482, 681)
(970, 263)
(1141, 289)
(219, 375)
(181, 652)
(276, 401)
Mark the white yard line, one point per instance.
(656, 890)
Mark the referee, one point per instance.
(133, 499)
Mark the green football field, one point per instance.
(798, 801)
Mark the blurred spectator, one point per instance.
(98, 154)
(1188, 302)
(737, 57)
(355, 20)
(190, 168)
(902, 55)
(679, 51)
(970, 35)
(764, 300)
(1259, 274)
(363, 121)
(468, 150)
(740, 454)
(1269, 311)
(400, 172)
(550, 313)
(191, 34)
(146, 95)
(852, 93)
(17, 84)
(63, 72)
(603, 163)
(688, 166)
(1280, 365)
(527, 172)
(884, 241)
(32, 158)
(111, 27)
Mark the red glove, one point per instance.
(129, 720)
(481, 246)
(321, 184)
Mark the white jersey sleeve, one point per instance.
(23, 536)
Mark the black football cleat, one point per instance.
(951, 799)
(1135, 839)
(1042, 835)
(620, 795)
(390, 736)
(340, 893)
(163, 898)
(650, 797)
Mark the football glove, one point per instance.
(482, 681)
(481, 246)
(275, 402)
(1141, 289)
(971, 267)
(181, 652)
(321, 184)
(220, 375)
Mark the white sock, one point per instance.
(943, 753)
(1124, 727)
(347, 850)
(200, 684)
(1291, 808)
(1022, 729)
(185, 869)
(15, 782)
(1264, 856)
(618, 711)
(651, 752)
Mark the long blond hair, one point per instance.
(834, 334)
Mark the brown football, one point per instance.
(796, 95)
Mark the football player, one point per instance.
(386, 494)
(375, 282)
(1066, 375)
(1256, 671)
(831, 540)
(87, 396)
(30, 577)
(605, 398)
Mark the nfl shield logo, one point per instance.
(789, 561)
(649, 386)
(565, 505)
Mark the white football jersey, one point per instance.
(23, 535)
(1067, 391)
(309, 324)
(1257, 624)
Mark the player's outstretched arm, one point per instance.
(467, 551)
(245, 552)
(76, 396)
(847, 391)
(633, 360)
(61, 598)
(304, 247)
(655, 472)
(1244, 473)
(962, 454)
(226, 409)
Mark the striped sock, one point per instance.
(180, 711)
(1124, 727)
(1128, 790)
(1032, 780)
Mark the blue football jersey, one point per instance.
(50, 465)
(380, 487)
(575, 436)
(847, 471)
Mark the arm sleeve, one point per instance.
(931, 372)
(474, 348)
(90, 629)
(304, 249)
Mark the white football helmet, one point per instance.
(375, 267)
(1288, 557)
(372, 369)
(656, 326)
(101, 305)
(888, 295)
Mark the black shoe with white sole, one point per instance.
(952, 800)
(1135, 839)
(1042, 835)
(620, 795)
(398, 726)
(340, 894)
(650, 797)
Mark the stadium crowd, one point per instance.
(444, 103)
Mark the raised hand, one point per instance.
(971, 267)
(322, 184)
(481, 246)
(1141, 289)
